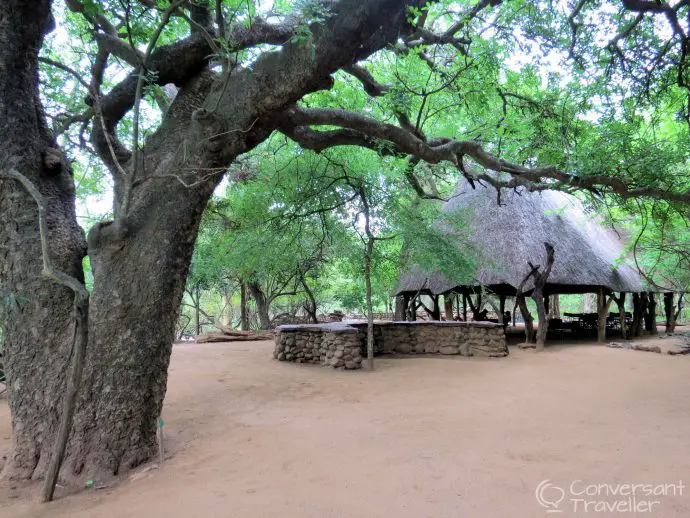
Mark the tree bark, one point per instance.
(244, 314)
(540, 279)
(36, 315)
(603, 306)
(639, 307)
(261, 304)
(131, 329)
(448, 306)
(311, 305)
(650, 320)
(527, 318)
(679, 307)
(225, 316)
(400, 307)
(543, 326)
(670, 313)
(370, 310)
(197, 308)
(555, 306)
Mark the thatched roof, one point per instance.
(587, 254)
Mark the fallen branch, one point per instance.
(222, 337)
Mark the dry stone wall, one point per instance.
(331, 345)
(344, 345)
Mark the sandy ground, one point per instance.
(419, 437)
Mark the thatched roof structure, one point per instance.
(509, 235)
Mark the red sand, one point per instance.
(419, 437)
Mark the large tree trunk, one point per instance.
(139, 281)
(36, 315)
(261, 304)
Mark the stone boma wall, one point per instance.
(344, 345)
(332, 345)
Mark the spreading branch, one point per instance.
(364, 131)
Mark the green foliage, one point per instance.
(523, 88)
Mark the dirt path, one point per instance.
(420, 437)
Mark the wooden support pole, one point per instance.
(502, 310)
(464, 307)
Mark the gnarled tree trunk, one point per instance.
(261, 304)
(134, 306)
(36, 314)
(141, 259)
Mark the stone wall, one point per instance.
(333, 345)
(344, 345)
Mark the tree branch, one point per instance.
(437, 150)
